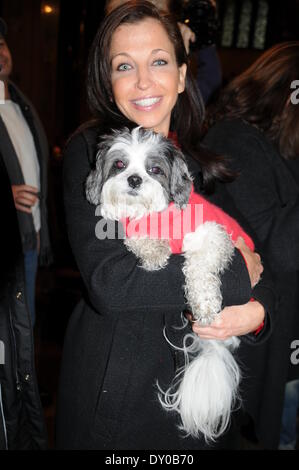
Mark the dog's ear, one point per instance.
(94, 182)
(181, 181)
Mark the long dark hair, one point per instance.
(188, 113)
(261, 96)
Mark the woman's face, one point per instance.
(145, 77)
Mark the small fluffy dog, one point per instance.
(138, 175)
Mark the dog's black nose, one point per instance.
(134, 181)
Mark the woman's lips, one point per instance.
(147, 104)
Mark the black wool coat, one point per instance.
(22, 425)
(266, 195)
(115, 351)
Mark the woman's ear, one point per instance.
(182, 78)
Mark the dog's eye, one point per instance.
(119, 165)
(156, 170)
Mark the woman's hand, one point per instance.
(237, 320)
(187, 35)
(253, 261)
(24, 197)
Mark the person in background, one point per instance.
(201, 15)
(255, 124)
(24, 148)
(22, 425)
(208, 67)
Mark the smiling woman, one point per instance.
(145, 81)
(115, 352)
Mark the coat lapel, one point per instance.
(9, 156)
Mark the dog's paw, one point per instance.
(204, 316)
(153, 253)
(203, 295)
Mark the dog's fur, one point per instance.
(141, 172)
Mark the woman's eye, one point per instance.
(123, 67)
(156, 170)
(160, 62)
(119, 165)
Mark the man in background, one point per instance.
(24, 149)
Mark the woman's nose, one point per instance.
(144, 79)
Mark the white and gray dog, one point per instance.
(141, 172)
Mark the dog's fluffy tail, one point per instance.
(205, 391)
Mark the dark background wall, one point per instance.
(33, 41)
(49, 42)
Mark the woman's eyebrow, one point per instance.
(119, 53)
(154, 51)
(160, 50)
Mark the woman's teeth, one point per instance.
(147, 102)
